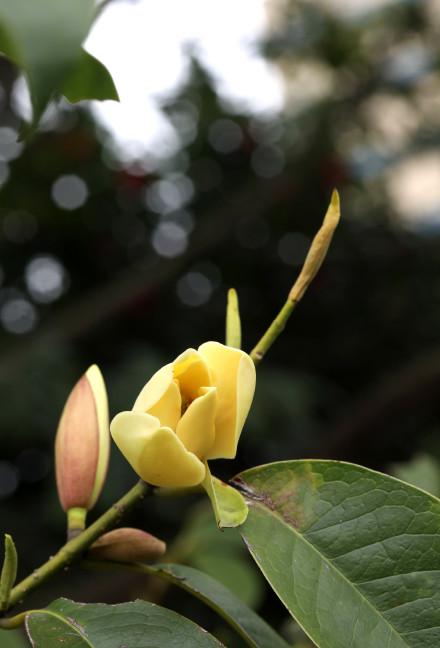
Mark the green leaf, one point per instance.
(229, 506)
(132, 625)
(90, 79)
(235, 571)
(220, 555)
(44, 38)
(353, 554)
(256, 632)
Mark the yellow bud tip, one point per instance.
(232, 297)
(233, 322)
(318, 249)
(335, 203)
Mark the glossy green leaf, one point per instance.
(44, 38)
(229, 506)
(353, 554)
(90, 79)
(250, 625)
(129, 625)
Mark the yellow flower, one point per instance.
(191, 410)
(82, 444)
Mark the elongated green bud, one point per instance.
(233, 323)
(9, 572)
(318, 250)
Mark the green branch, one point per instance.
(75, 548)
(277, 326)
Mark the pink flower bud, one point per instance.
(82, 444)
(127, 545)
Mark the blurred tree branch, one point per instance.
(383, 412)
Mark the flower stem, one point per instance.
(278, 324)
(76, 547)
(313, 262)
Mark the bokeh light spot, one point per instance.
(407, 63)
(225, 136)
(413, 187)
(69, 192)
(182, 217)
(265, 132)
(18, 315)
(10, 148)
(194, 289)
(267, 161)
(21, 99)
(171, 193)
(169, 239)
(45, 278)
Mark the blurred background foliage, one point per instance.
(127, 264)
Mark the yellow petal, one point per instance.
(155, 453)
(161, 398)
(168, 409)
(233, 373)
(191, 371)
(196, 427)
(129, 431)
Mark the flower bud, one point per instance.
(127, 545)
(82, 444)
